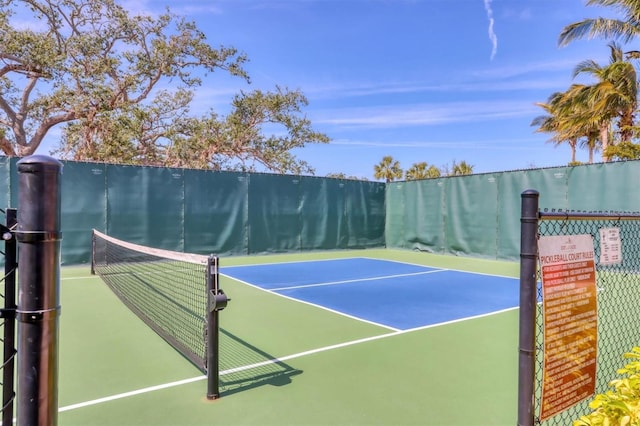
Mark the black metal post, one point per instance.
(38, 290)
(93, 253)
(9, 316)
(528, 300)
(217, 302)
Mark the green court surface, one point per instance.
(330, 369)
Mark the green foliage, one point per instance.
(422, 171)
(623, 151)
(388, 169)
(97, 70)
(261, 130)
(461, 168)
(340, 175)
(90, 60)
(589, 112)
(619, 406)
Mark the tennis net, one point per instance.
(176, 294)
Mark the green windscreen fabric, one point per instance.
(85, 208)
(605, 187)
(424, 215)
(5, 183)
(216, 212)
(13, 173)
(511, 186)
(394, 227)
(365, 213)
(479, 215)
(470, 215)
(145, 205)
(274, 213)
(552, 184)
(323, 214)
(232, 213)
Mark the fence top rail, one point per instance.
(580, 215)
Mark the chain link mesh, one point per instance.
(7, 319)
(618, 302)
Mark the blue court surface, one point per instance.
(396, 295)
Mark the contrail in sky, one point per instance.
(492, 35)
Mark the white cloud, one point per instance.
(492, 34)
(345, 91)
(424, 114)
(495, 144)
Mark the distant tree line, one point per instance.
(389, 170)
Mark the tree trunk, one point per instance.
(604, 137)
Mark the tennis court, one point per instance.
(357, 335)
(368, 337)
(396, 295)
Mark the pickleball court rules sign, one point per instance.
(570, 321)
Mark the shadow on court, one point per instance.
(244, 366)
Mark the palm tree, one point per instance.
(625, 30)
(592, 128)
(433, 172)
(388, 169)
(589, 110)
(614, 95)
(416, 171)
(558, 122)
(421, 171)
(592, 143)
(461, 168)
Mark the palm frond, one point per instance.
(598, 27)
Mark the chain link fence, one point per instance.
(617, 297)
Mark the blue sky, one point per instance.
(420, 80)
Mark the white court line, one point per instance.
(355, 280)
(446, 269)
(275, 262)
(324, 308)
(271, 361)
(79, 278)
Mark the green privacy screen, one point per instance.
(470, 214)
(216, 214)
(145, 205)
(5, 183)
(229, 213)
(479, 215)
(308, 213)
(207, 212)
(415, 215)
(323, 207)
(84, 206)
(274, 213)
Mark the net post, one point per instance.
(213, 380)
(38, 306)
(93, 252)
(9, 316)
(528, 301)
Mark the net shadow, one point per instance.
(243, 366)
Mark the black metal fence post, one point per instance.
(38, 309)
(9, 316)
(528, 300)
